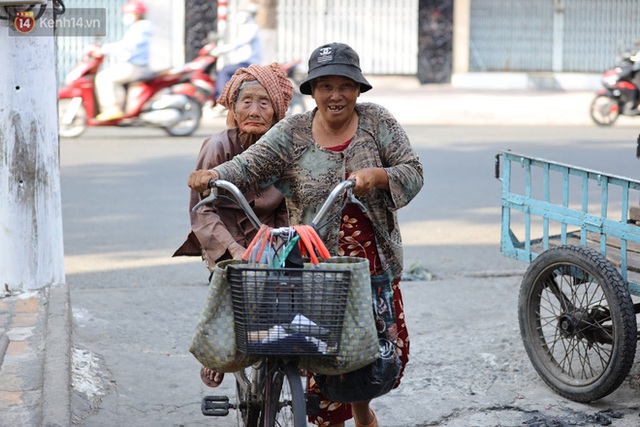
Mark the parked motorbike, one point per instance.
(620, 95)
(170, 99)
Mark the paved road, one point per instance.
(134, 307)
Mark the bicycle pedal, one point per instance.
(215, 406)
(313, 404)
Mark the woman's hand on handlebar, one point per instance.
(369, 178)
(199, 180)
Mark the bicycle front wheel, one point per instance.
(284, 401)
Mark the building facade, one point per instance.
(545, 43)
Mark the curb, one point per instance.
(56, 391)
(4, 343)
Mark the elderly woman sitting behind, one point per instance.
(257, 97)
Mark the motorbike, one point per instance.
(170, 99)
(294, 74)
(620, 95)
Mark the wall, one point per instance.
(383, 32)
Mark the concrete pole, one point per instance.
(558, 36)
(31, 244)
(221, 28)
(268, 20)
(461, 23)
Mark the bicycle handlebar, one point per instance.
(338, 190)
(237, 195)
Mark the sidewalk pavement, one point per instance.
(35, 327)
(35, 358)
(415, 104)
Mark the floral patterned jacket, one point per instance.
(288, 157)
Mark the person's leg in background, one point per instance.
(111, 81)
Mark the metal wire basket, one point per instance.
(292, 311)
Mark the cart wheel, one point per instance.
(577, 322)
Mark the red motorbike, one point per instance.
(170, 99)
(620, 95)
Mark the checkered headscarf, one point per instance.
(271, 77)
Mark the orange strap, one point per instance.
(317, 241)
(265, 239)
(311, 242)
(263, 228)
(305, 243)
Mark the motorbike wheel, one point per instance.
(190, 121)
(76, 122)
(604, 110)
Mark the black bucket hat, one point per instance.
(334, 59)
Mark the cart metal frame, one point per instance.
(575, 309)
(528, 249)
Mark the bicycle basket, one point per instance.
(288, 312)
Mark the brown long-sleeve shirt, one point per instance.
(214, 227)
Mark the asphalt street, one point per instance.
(133, 307)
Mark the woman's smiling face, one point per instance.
(253, 110)
(335, 97)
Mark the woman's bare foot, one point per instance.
(211, 378)
(363, 415)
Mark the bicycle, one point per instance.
(270, 392)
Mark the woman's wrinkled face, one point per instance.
(253, 110)
(335, 96)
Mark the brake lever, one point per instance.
(209, 199)
(352, 198)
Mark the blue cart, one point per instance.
(578, 229)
